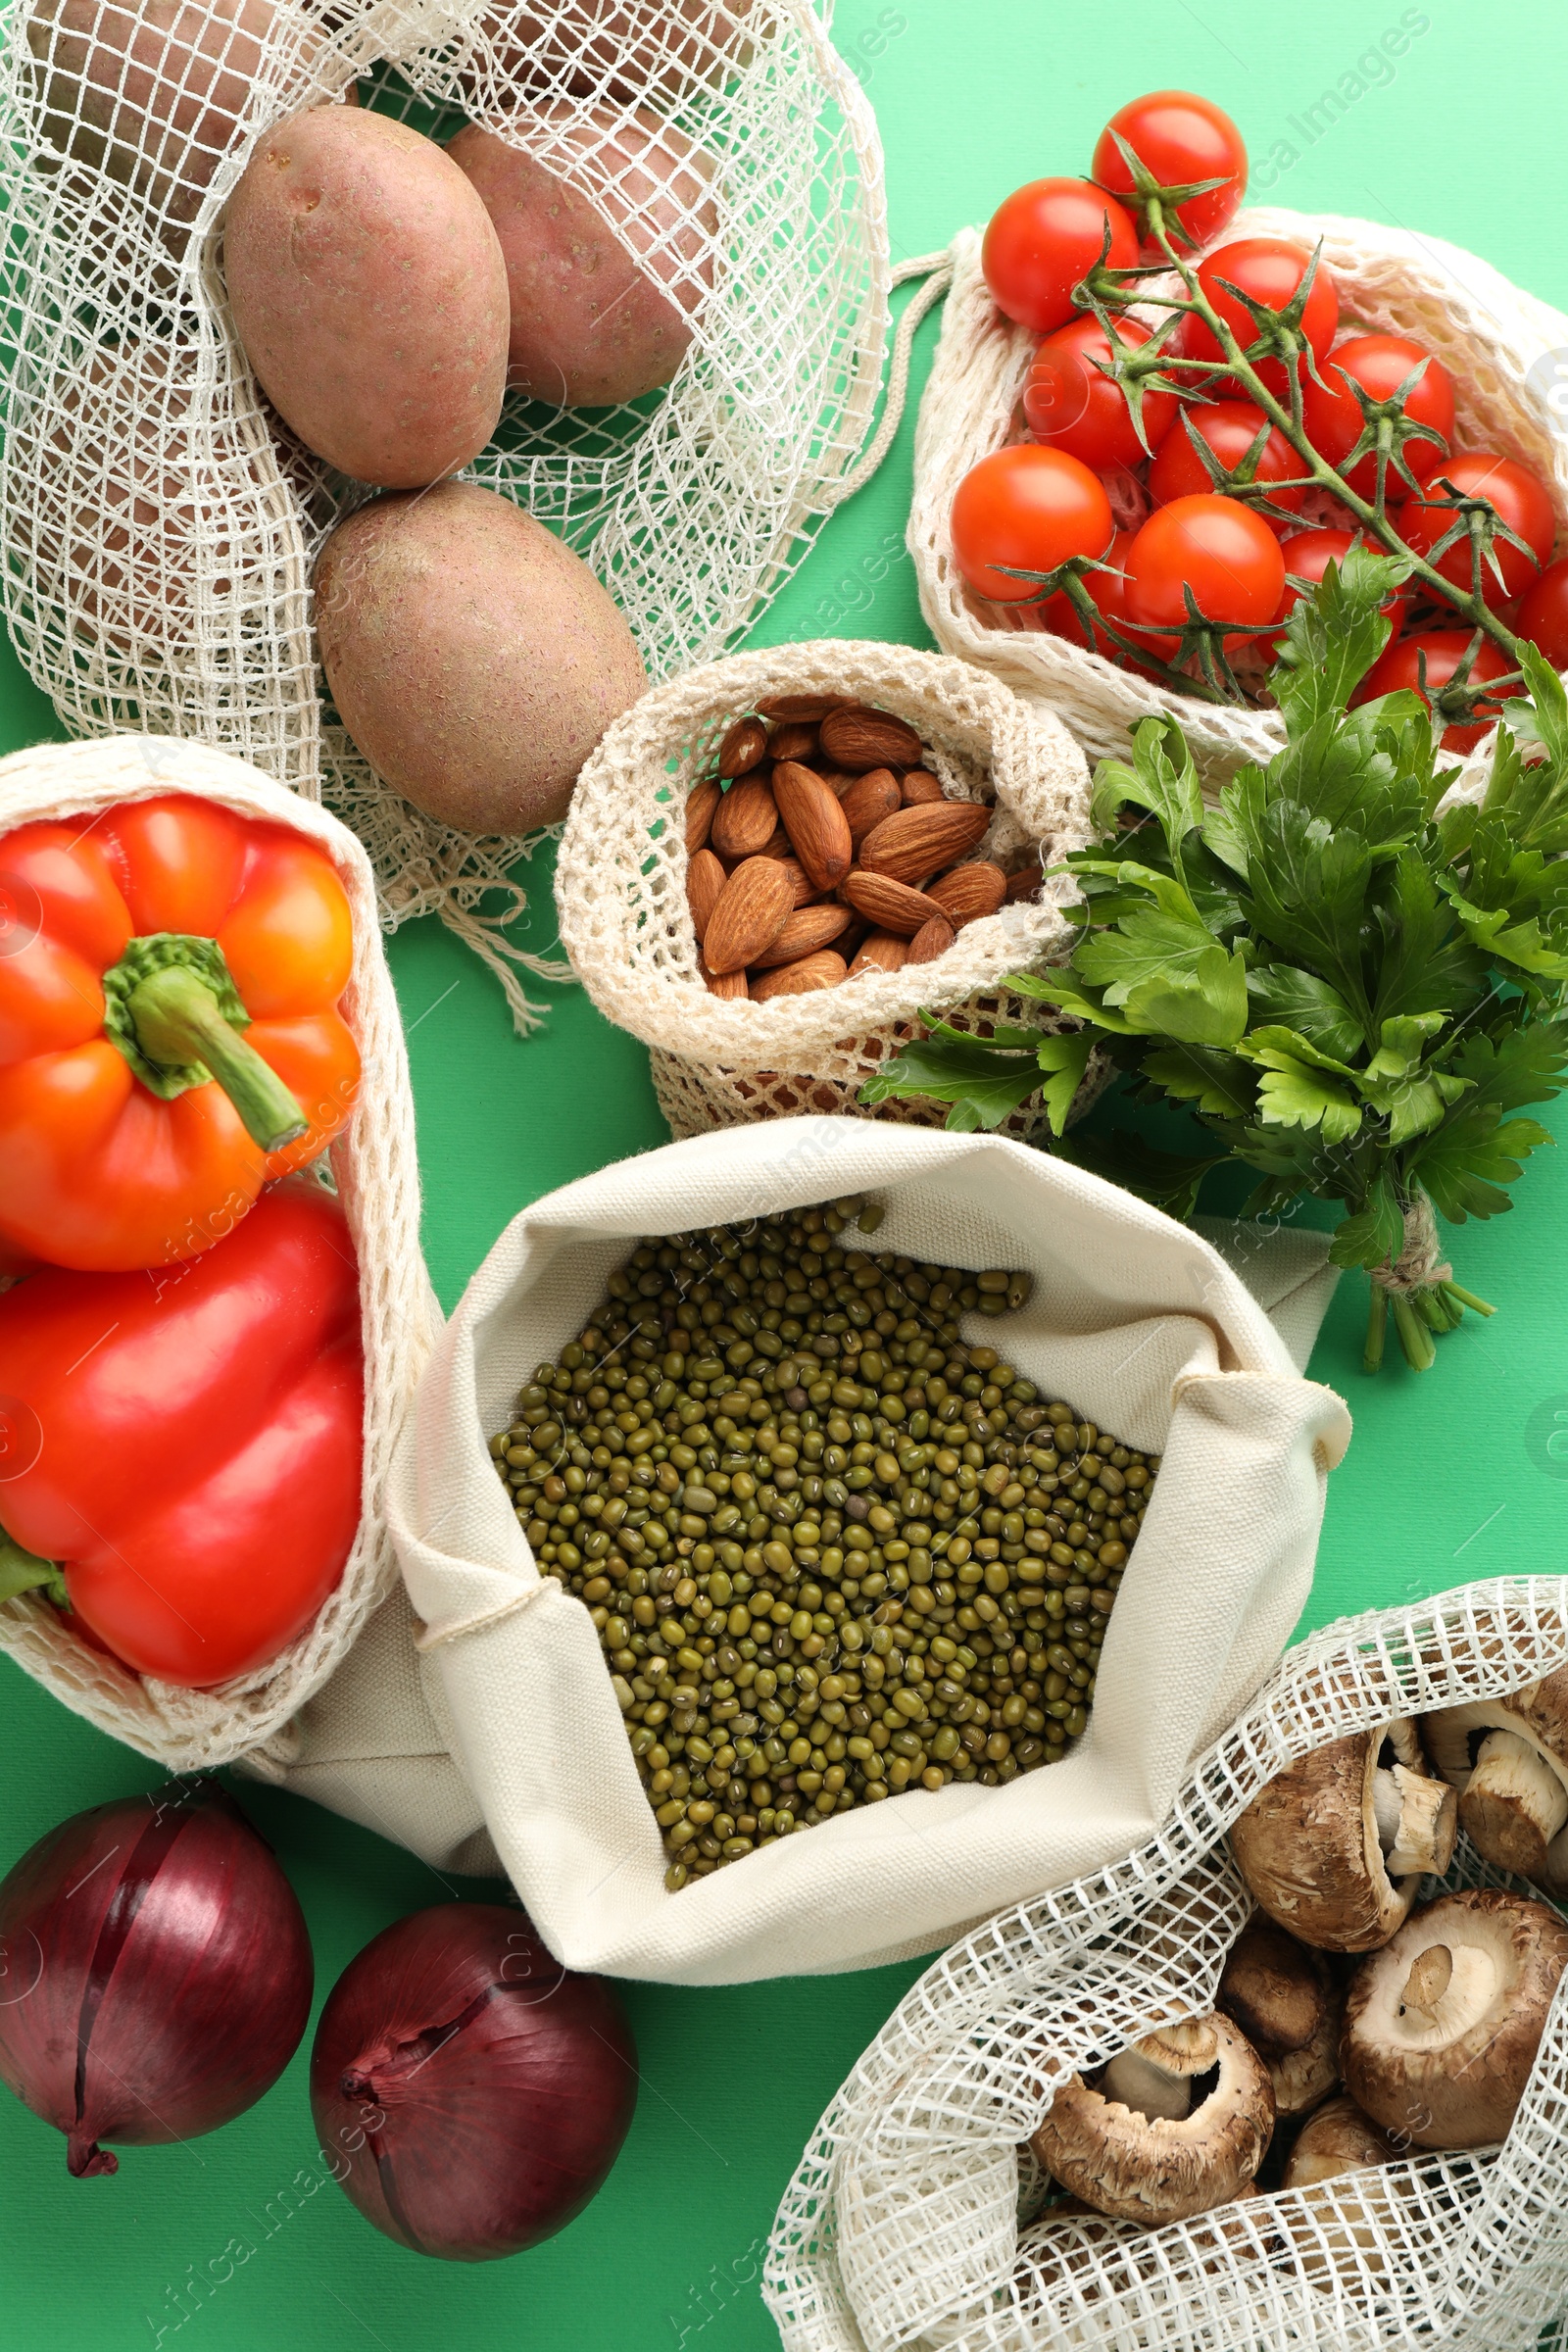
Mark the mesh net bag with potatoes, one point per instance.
(619, 263)
(863, 833)
(1292, 2072)
(1493, 339)
(192, 1725)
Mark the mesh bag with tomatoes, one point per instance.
(1153, 422)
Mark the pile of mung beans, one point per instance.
(832, 1552)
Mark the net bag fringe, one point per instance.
(376, 1170)
(159, 523)
(622, 887)
(908, 2223)
(1502, 346)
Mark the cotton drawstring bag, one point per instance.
(375, 1173)
(161, 524)
(1136, 1320)
(907, 2223)
(620, 886)
(1499, 344)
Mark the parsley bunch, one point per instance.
(1355, 992)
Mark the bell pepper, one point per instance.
(180, 1449)
(170, 1037)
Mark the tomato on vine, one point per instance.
(1030, 510)
(1226, 555)
(1543, 613)
(1307, 557)
(1043, 239)
(1108, 591)
(1380, 364)
(1435, 655)
(1179, 138)
(1070, 404)
(1270, 271)
(1520, 499)
(1229, 428)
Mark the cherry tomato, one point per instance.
(1379, 364)
(1043, 239)
(1230, 428)
(1270, 271)
(1225, 554)
(1307, 557)
(1542, 614)
(1399, 665)
(1029, 508)
(1071, 405)
(1519, 496)
(1179, 138)
(1108, 592)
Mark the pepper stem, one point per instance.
(23, 1572)
(177, 1018)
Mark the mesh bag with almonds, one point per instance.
(880, 850)
(916, 2215)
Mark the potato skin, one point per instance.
(370, 291)
(622, 50)
(474, 660)
(592, 325)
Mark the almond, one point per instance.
(921, 788)
(921, 841)
(805, 888)
(933, 939)
(701, 807)
(868, 800)
(744, 820)
(777, 845)
(1024, 884)
(863, 739)
(732, 985)
(814, 822)
(969, 891)
(808, 929)
(892, 905)
(744, 748)
(883, 952)
(753, 908)
(794, 742)
(837, 779)
(801, 979)
(804, 708)
(704, 879)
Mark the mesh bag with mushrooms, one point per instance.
(1140, 2110)
(623, 873)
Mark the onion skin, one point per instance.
(477, 2091)
(158, 1971)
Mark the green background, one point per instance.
(1449, 1477)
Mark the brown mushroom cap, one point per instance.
(1442, 2029)
(1309, 1845)
(1163, 2168)
(1336, 2138)
(1284, 1998)
(1509, 1759)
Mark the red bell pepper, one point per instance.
(170, 1032)
(180, 1449)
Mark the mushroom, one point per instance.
(1174, 2125)
(1335, 1846)
(1286, 2002)
(1336, 2138)
(1509, 1759)
(1442, 2029)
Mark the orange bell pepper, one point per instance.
(170, 1032)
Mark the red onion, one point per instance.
(477, 2091)
(157, 1972)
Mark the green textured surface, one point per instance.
(1449, 1477)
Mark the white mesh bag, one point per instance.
(161, 525)
(907, 2224)
(1499, 344)
(621, 883)
(375, 1173)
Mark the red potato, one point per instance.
(370, 291)
(473, 659)
(619, 50)
(592, 323)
